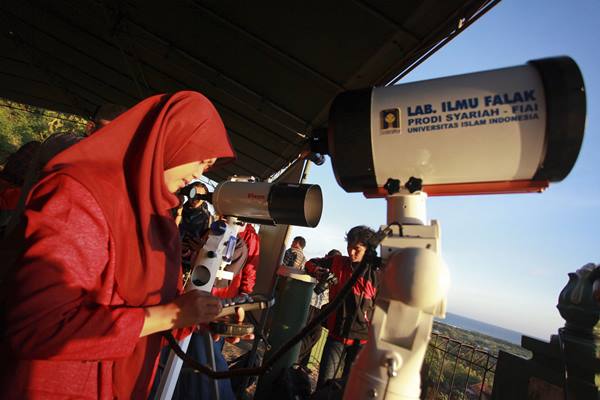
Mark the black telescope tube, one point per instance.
(296, 204)
(349, 140)
(565, 116)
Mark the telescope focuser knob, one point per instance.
(218, 227)
(392, 186)
(414, 184)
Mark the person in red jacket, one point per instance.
(349, 325)
(11, 180)
(100, 273)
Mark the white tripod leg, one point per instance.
(168, 379)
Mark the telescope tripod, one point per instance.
(208, 266)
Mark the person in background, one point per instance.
(317, 301)
(294, 256)
(99, 276)
(12, 177)
(333, 253)
(104, 115)
(52, 146)
(349, 325)
(193, 219)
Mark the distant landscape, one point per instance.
(461, 360)
(483, 341)
(477, 326)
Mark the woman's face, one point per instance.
(356, 252)
(181, 175)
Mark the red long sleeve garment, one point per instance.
(64, 310)
(248, 274)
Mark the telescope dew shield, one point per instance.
(261, 202)
(296, 204)
(517, 125)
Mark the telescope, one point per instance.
(510, 130)
(265, 203)
(238, 201)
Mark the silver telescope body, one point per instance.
(268, 203)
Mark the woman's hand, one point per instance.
(195, 307)
(192, 308)
(239, 316)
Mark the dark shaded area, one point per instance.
(271, 68)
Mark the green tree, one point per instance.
(22, 123)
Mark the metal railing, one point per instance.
(452, 370)
(455, 371)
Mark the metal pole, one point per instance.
(210, 353)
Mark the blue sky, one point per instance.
(508, 255)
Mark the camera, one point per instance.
(325, 282)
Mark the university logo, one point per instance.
(390, 119)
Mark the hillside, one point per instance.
(460, 364)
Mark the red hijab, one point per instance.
(122, 165)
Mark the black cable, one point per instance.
(253, 354)
(366, 263)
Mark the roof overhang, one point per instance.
(271, 68)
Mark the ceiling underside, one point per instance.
(271, 68)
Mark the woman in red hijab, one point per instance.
(100, 274)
